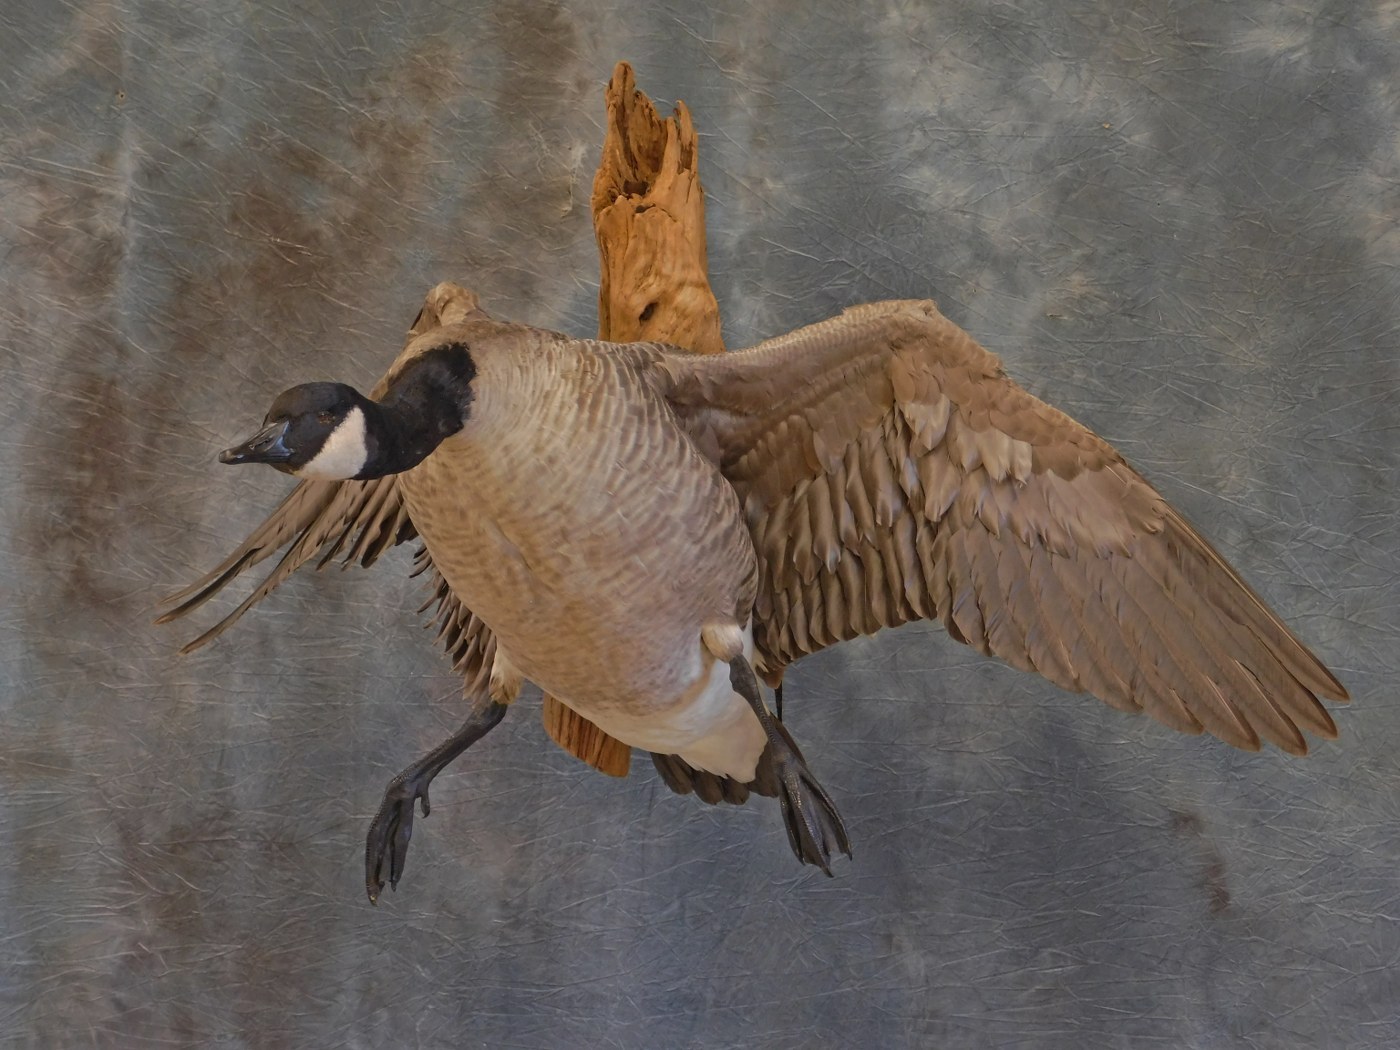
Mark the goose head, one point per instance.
(332, 432)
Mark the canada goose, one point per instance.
(638, 530)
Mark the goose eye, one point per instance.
(325, 418)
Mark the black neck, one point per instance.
(428, 401)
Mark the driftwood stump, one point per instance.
(649, 217)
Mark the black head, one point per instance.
(330, 432)
(316, 430)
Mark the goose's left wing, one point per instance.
(890, 471)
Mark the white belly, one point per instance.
(708, 725)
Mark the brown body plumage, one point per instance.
(610, 520)
(543, 516)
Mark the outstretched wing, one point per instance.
(890, 471)
(355, 521)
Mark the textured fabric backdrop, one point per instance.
(1178, 222)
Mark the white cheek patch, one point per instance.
(343, 455)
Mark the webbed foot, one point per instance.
(391, 829)
(815, 829)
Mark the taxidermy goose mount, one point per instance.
(645, 533)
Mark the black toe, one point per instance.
(386, 844)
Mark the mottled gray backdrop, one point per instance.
(1177, 221)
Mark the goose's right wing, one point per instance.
(317, 521)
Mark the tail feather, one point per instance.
(684, 779)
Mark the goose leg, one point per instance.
(814, 827)
(392, 826)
